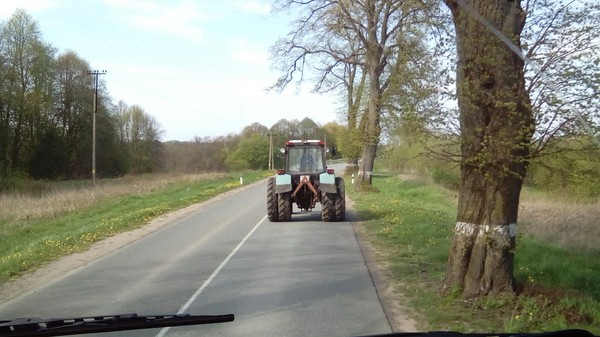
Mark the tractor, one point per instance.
(305, 180)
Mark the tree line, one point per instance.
(46, 106)
(249, 149)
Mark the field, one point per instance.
(557, 270)
(570, 224)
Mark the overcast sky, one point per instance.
(199, 67)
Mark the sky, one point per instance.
(199, 67)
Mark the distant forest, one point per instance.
(46, 107)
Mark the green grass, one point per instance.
(410, 224)
(31, 244)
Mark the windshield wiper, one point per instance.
(82, 325)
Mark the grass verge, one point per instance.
(410, 224)
(26, 245)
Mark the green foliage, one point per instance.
(247, 150)
(112, 156)
(140, 134)
(46, 103)
(351, 143)
(49, 158)
(251, 153)
(571, 166)
(19, 182)
(333, 132)
(446, 175)
(402, 157)
(25, 75)
(382, 75)
(414, 150)
(201, 155)
(235, 163)
(254, 129)
(308, 129)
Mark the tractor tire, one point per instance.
(284, 201)
(340, 200)
(327, 207)
(272, 208)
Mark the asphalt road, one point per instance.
(298, 278)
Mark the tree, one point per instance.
(286, 130)
(355, 37)
(49, 156)
(308, 129)
(73, 92)
(25, 79)
(254, 129)
(45, 111)
(112, 156)
(252, 153)
(563, 74)
(333, 131)
(141, 134)
(559, 41)
(203, 154)
(575, 172)
(496, 125)
(355, 92)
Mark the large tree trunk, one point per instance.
(354, 102)
(371, 135)
(496, 127)
(375, 63)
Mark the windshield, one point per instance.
(442, 168)
(304, 160)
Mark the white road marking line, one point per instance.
(192, 299)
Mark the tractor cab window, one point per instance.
(305, 160)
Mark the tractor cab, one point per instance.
(305, 157)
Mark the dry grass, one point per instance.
(60, 198)
(571, 224)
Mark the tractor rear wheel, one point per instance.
(284, 201)
(327, 207)
(272, 208)
(340, 200)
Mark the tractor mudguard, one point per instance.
(283, 183)
(327, 183)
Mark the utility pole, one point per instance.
(270, 150)
(96, 74)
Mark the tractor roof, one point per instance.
(313, 142)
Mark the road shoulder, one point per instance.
(388, 291)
